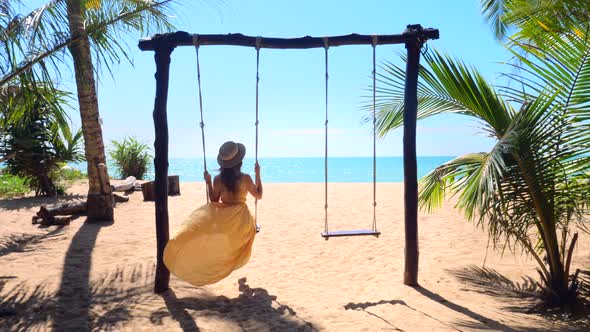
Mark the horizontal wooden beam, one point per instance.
(181, 38)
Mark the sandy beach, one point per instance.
(100, 277)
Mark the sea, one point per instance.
(301, 170)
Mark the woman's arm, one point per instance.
(255, 189)
(216, 189)
(214, 192)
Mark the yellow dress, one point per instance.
(215, 240)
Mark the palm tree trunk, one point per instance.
(546, 226)
(100, 202)
(46, 185)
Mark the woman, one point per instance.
(217, 238)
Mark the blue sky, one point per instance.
(292, 81)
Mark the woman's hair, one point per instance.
(230, 177)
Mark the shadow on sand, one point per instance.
(364, 306)
(254, 309)
(74, 296)
(119, 296)
(21, 242)
(584, 278)
(524, 296)
(474, 321)
(482, 322)
(105, 304)
(69, 307)
(16, 204)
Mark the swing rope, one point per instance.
(326, 234)
(326, 47)
(258, 45)
(374, 109)
(202, 123)
(374, 226)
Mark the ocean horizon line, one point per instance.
(293, 182)
(301, 170)
(322, 157)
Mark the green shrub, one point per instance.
(12, 185)
(65, 176)
(35, 135)
(131, 157)
(67, 173)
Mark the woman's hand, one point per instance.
(255, 186)
(207, 177)
(257, 169)
(258, 185)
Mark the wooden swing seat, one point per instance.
(356, 232)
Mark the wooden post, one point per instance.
(413, 45)
(148, 189)
(162, 57)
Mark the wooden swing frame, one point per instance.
(413, 37)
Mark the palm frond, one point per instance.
(562, 65)
(451, 175)
(44, 33)
(116, 20)
(446, 85)
(493, 12)
(532, 19)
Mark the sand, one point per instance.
(100, 277)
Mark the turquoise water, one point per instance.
(297, 170)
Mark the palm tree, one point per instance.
(531, 18)
(87, 29)
(35, 135)
(533, 184)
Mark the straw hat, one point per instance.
(231, 154)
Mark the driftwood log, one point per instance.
(49, 216)
(127, 184)
(120, 199)
(149, 188)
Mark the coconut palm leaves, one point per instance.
(43, 35)
(533, 183)
(532, 18)
(92, 32)
(440, 90)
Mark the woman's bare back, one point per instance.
(244, 186)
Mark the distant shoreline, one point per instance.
(302, 170)
(288, 183)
